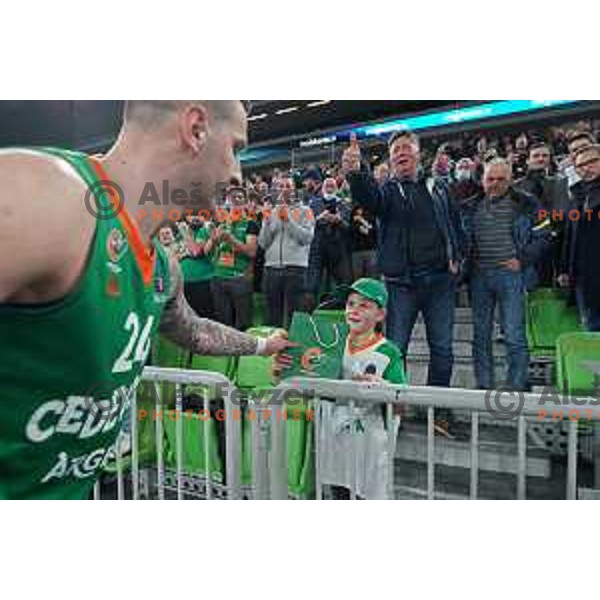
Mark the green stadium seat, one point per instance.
(225, 365)
(300, 455)
(196, 435)
(548, 294)
(166, 354)
(299, 435)
(255, 372)
(548, 317)
(572, 351)
(146, 425)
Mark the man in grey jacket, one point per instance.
(286, 234)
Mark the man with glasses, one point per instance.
(584, 239)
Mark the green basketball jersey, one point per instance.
(228, 262)
(198, 268)
(67, 368)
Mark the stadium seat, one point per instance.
(300, 455)
(255, 372)
(200, 445)
(299, 434)
(548, 317)
(225, 365)
(573, 350)
(146, 403)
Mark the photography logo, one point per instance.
(105, 402)
(504, 402)
(104, 199)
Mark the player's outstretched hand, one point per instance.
(277, 343)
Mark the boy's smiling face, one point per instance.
(362, 315)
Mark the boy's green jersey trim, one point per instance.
(383, 359)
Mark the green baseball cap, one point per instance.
(372, 289)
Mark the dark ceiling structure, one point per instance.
(275, 119)
(92, 125)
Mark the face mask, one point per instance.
(463, 174)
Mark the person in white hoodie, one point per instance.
(286, 234)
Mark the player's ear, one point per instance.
(381, 314)
(194, 127)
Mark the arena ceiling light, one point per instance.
(289, 109)
(258, 117)
(317, 103)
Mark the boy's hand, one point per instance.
(367, 377)
(281, 362)
(399, 410)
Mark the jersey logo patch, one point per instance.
(116, 245)
(112, 287)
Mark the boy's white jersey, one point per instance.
(355, 446)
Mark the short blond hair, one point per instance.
(498, 162)
(403, 133)
(591, 148)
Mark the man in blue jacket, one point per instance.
(505, 237)
(417, 251)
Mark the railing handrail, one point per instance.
(183, 376)
(456, 398)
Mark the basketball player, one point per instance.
(84, 287)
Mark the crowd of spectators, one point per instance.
(489, 212)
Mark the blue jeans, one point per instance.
(590, 316)
(505, 288)
(434, 296)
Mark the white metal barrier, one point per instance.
(269, 451)
(431, 398)
(185, 484)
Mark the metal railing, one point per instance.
(430, 398)
(180, 378)
(269, 443)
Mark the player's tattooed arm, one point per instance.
(184, 327)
